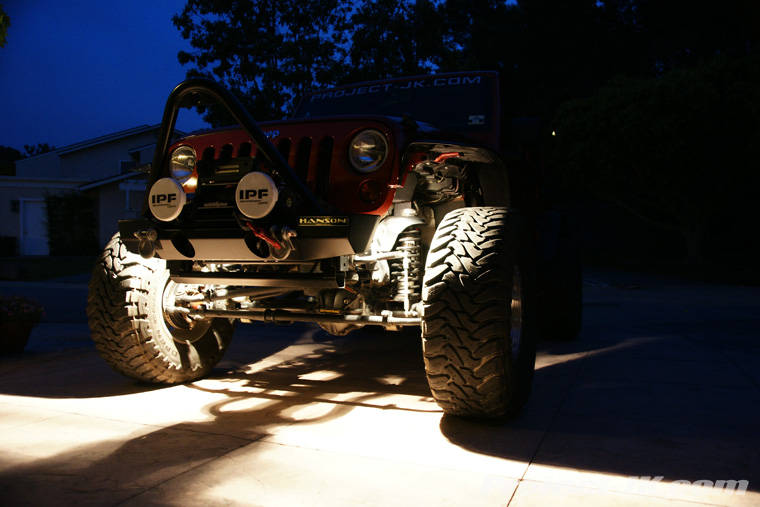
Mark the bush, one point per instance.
(20, 308)
(8, 246)
(679, 152)
(71, 224)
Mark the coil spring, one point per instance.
(406, 275)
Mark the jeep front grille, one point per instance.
(311, 160)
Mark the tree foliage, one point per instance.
(71, 224)
(38, 149)
(549, 51)
(268, 52)
(8, 158)
(388, 38)
(479, 34)
(5, 24)
(271, 53)
(678, 152)
(680, 33)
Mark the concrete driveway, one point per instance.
(656, 403)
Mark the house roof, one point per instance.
(101, 141)
(111, 179)
(106, 139)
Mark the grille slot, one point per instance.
(311, 159)
(225, 152)
(283, 146)
(303, 154)
(324, 165)
(244, 150)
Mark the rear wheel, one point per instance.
(133, 332)
(478, 336)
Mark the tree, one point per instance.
(8, 158)
(391, 38)
(569, 48)
(548, 51)
(5, 23)
(681, 33)
(678, 151)
(480, 34)
(71, 224)
(269, 53)
(38, 149)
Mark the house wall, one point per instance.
(144, 154)
(92, 164)
(46, 165)
(89, 161)
(118, 201)
(102, 160)
(14, 193)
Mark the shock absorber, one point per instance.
(405, 273)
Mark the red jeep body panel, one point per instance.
(317, 150)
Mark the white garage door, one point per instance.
(33, 233)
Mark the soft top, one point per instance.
(462, 102)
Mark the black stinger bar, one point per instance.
(196, 91)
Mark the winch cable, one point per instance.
(260, 233)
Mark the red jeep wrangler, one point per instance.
(405, 202)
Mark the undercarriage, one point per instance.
(341, 294)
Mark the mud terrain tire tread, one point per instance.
(466, 320)
(118, 311)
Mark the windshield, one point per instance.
(457, 102)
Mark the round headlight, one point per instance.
(368, 150)
(182, 163)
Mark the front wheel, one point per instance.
(126, 304)
(478, 337)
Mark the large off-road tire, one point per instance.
(125, 309)
(479, 342)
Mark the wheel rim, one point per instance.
(516, 312)
(177, 325)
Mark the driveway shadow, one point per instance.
(638, 394)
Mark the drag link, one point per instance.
(386, 319)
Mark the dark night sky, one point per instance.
(72, 70)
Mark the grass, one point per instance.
(44, 268)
